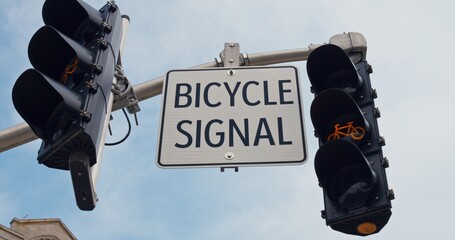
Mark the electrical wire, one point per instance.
(127, 134)
(124, 112)
(104, 96)
(126, 116)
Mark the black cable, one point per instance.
(127, 134)
(104, 96)
(113, 53)
(124, 112)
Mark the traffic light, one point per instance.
(64, 98)
(349, 163)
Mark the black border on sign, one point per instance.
(244, 164)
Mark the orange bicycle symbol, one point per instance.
(70, 69)
(347, 130)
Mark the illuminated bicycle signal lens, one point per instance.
(70, 69)
(348, 130)
(336, 115)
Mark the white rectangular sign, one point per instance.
(231, 117)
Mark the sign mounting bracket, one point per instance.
(230, 58)
(236, 169)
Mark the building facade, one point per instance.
(36, 229)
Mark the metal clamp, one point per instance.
(231, 56)
(123, 92)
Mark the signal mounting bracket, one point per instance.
(230, 58)
(123, 92)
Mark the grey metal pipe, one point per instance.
(15, 136)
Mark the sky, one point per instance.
(410, 46)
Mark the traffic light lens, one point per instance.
(69, 71)
(345, 174)
(367, 228)
(347, 80)
(336, 115)
(58, 121)
(347, 130)
(352, 185)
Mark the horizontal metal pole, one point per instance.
(353, 43)
(15, 136)
(154, 87)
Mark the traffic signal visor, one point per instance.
(46, 105)
(51, 53)
(328, 66)
(75, 19)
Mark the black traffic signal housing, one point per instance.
(349, 163)
(64, 98)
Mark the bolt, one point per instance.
(377, 113)
(390, 194)
(374, 93)
(86, 116)
(229, 155)
(323, 214)
(385, 162)
(219, 62)
(369, 69)
(231, 72)
(311, 89)
(113, 7)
